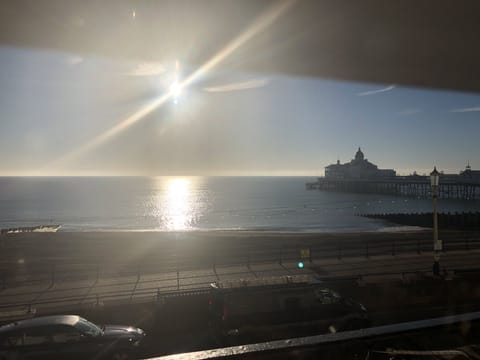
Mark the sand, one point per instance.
(208, 246)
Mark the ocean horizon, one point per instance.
(188, 203)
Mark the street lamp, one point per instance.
(437, 245)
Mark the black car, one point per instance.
(274, 308)
(67, 337)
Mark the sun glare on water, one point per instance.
(175, 204)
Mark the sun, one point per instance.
(175, 89)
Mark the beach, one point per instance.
(128, 250)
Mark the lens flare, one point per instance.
(260, 24)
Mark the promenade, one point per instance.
(45, 273)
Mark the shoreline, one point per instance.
(394, 228)
(387, 231)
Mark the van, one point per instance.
(274, 308)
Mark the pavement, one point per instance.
(64, 293)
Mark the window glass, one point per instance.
(11, 340)
(37, 336)
(63, 334)
(88, 328)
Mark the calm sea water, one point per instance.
(195, 203)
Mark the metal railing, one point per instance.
(303, 346)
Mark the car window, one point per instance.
(37, 335)
(63, 334)
(11, 340)
(87, 328)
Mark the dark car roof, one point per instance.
(263, 283)
(40, 321)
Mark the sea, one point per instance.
(198, 204)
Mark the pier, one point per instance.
(410, 186)
(361, 176)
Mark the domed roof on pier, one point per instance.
(359, 155)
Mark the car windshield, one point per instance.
(88, 328)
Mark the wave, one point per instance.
(24, 229)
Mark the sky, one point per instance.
(60, 114)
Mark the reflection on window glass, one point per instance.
(88, 328)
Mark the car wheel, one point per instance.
(120, 355)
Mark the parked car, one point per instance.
(265, 309)
(67, 337)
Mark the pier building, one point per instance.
(361, 176)
(357, 168)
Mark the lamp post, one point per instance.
(437, 245)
